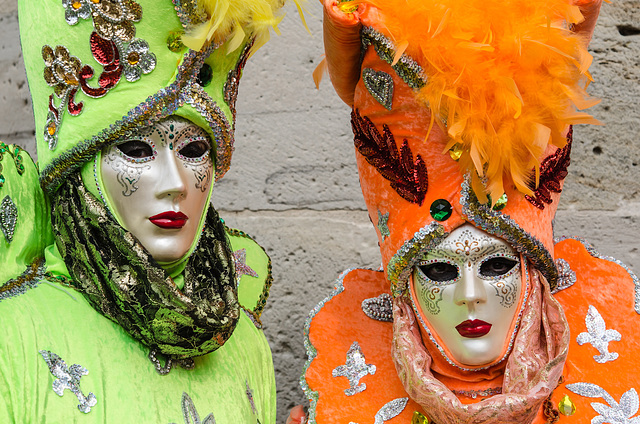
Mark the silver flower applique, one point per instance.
(390, 410)
(68, 378)
(138, 60)
(74, 9)
(598, 336)
(354, 369)
(191, 415)
(614, 413)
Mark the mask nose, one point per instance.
(171, 181)
(470, 289)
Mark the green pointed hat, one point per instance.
(98, 69)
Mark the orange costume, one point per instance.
(462, 113)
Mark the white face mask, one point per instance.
(468, 289)
(158, 183)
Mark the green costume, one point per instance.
(95, 329)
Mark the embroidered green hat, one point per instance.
(97, 69)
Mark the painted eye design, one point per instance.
(194, 150)
(439, 272)
(136, 150)
(496, 267)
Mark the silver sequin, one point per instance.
(379, 308)
(380, 86)
(566, 276)
(593, 252)
(8, 218)
(389, 410)
(615, 413)
(68, 378)
(190, 413)
(354, 369)
(383, 225)
(599, 336)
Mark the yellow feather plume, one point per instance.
(507, 76)
(231, 21)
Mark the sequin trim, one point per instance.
(389, 410)
(511, 340)
(566, 276)
(233, 80)
(406, 68)
(262, 302)
(29, 279)
(189, 13)
(379, 308)
(312, 352)
(190, 414)
(354, 369)
(593, 252)
(615, 413)
(401, 264)
(598, 336)
(8, 218)
(500, 225)
(68, 378)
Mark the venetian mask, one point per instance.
(157, 183)
(469, 291)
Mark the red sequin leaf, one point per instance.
(73, 107)
(407, 177)
(553, 170)
(104, 51)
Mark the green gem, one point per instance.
(174, 42)
(501, 203)
(1, 180)
(419, 418)
(205, 75)
(441, 210)
(566, 406)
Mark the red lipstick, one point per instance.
(169, 219)
(473, 328)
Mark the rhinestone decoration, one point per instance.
(380, 86)
(174, 42)
(382, 225)
(440, 210)
(419, 418)
(8, 218)
(566, 276)
(29, 279)
(406, 68)
(354, 369)
(593, 252)
(68, 378)
(456, 152)
(240, 261)
(249, 393)
(614, 413)
(599, 336)
(408, 178)
(205, 75)
(379, 308)
(390, 410)
(190, 413)
(566, 406)
(501, 203)
(186, 363)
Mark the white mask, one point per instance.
(158, 184)
(469, 290)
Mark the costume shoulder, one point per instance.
(253, 271)
(601, 300)
(349, 372)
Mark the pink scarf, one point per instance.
(531, 374)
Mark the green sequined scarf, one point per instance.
(123, 282)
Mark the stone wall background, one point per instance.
(294, 185)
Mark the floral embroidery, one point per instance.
(68, 378)
(552, 171)
(190, 414)
(408, 177)
(111, 42)
(354, 369)
(599, 336)
(614, 413)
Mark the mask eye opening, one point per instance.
(495, 267)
